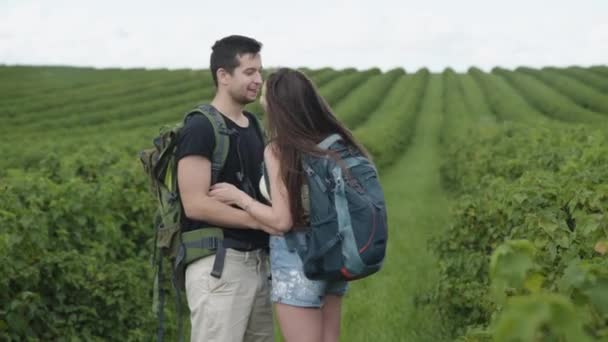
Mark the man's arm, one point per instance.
(194, 178)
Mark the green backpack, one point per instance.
(182, 248)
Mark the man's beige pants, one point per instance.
(235, 307)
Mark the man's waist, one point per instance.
(229, 240)
(243, 246)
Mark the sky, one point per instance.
(313, 33)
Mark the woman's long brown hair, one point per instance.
(298, 119)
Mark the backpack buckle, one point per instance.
(172, 197)
(339, 184)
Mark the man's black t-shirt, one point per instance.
(197, 138)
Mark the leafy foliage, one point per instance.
(531, 215)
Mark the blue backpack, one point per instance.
(347, 235)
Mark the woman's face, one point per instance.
(263, 98)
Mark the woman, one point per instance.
(298, 119)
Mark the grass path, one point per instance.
(383, 307)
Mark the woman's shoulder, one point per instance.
(271, 150)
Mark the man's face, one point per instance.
(246, 79)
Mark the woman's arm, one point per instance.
(276, 216)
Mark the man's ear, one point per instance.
(222, 76)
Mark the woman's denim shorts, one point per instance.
(290, 285)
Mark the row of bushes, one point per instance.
(594, 76)
(504, 101)
(550, 102)
(390, 128)
(335, 90)
(362, 101)
(524, 254)
(582, 94)
(474, 98)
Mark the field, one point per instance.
(496, 184)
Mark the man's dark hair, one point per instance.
(226, 51)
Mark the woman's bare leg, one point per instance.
(331, 314)
(300, 324)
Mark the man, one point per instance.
(233, 304)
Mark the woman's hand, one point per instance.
(229, 194)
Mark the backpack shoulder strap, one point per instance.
(221, 135)
(330, 140)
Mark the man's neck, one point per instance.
(228, 107)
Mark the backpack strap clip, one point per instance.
(218, 263)
(311, 173)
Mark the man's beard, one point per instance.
(241, 99)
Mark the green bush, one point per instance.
(76, 244)
(551, 193)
